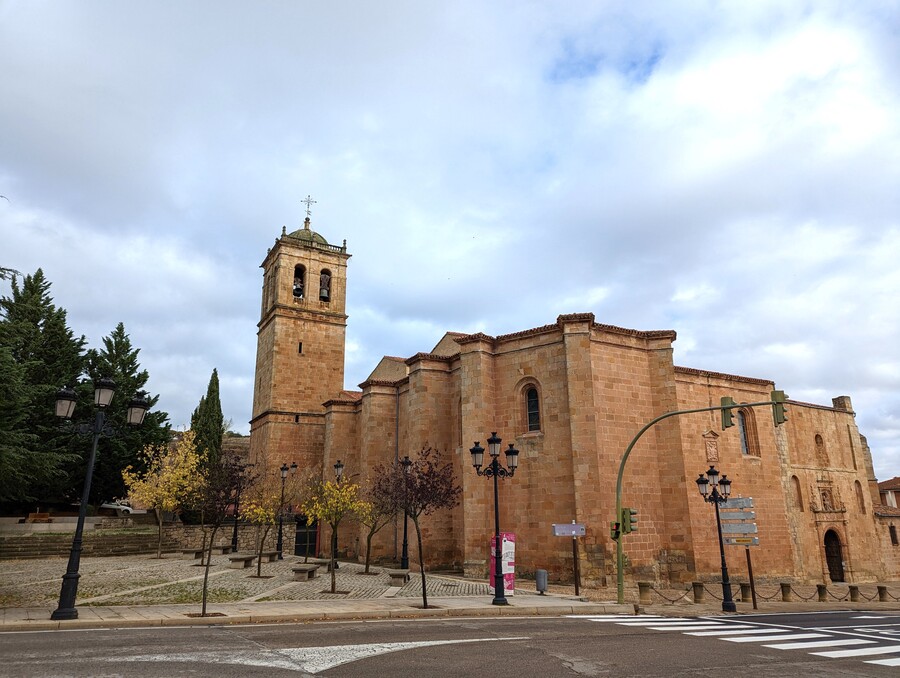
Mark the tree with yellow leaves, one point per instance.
(265, 502)
(330, 502)
(170, 481)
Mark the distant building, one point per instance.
(570, 396)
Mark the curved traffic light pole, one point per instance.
(620, 556)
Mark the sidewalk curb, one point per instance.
(335, 615)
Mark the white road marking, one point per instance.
(308, 659)
(763, 639)
(687, 627)
(859, 652)
(831, 642)
(735, 630)
(885, 662)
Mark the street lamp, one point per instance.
(339, 475)
(237, 507)
(65, 406)
(404, 554)
(284, 473)
(495, 470)
(716, 491)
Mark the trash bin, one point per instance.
(540, 581)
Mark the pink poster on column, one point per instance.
(507, 561)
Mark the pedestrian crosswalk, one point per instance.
(820, 642)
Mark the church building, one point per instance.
(570, 396)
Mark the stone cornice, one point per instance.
(722, 375)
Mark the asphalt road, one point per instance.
(761, 645)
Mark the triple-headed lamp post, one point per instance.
(284, 474)
(65, 407)
(716, 490)
(495, 470)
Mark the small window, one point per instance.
(325, 285)
(299, 281)
(296, 418)
(300, 347)
(747, 431)
(533, 409)
(893, 531)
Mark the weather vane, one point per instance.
(309, 202)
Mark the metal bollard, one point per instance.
(785, 592)
(540, 581)
(882, 594)
(822, 591)
(644, 592)
(698, 591)
(745, 592)
(854, 593)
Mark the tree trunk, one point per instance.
(159, 522)
(206, 571)
(261, 545)
(368, 548)
(421, 562)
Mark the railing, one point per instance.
(784, 592)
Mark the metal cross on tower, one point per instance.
(309, 202)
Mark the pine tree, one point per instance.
(47, 356)
(208, 424)
(118, 361)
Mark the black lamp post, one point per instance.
(65, 407)
(237, 508)
(710, 486)
(284, 473)
(404, 554)
(495, 471)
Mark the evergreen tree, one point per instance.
(43, 355)
(118, 361)
(208, 424)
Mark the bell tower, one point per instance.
(300, 346)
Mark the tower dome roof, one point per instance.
(307, 234)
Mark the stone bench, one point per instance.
(192, 554)
(398, 577)
(270, 556)
(240, 562)
(223, 549)
(39, 518)
(321, 562)
(305, 572)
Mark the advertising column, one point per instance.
(507, 561)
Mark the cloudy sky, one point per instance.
(729, 170)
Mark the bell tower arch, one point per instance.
(300, 346)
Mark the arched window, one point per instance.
(747, 430)
(798, 495)
(325, 285)
(532, 409)
(299, 281)
(860, 499)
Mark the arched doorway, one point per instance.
(834, 556)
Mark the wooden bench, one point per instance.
(270, 556)
(305, 572)
(39, 518)
(398, 577)
(192, 554)
(240, 562)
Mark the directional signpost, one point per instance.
(573, 530)
(738, 528)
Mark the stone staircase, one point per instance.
(93, 544)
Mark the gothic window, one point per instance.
(821, 452)
(325, 285)
(798, 495)
(893, 531)
(860, 499)
(747, 430)
(299, 281)
(532, 409)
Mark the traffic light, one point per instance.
(778, 411)
(628, 519)
(614, 531)
(727, 403)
